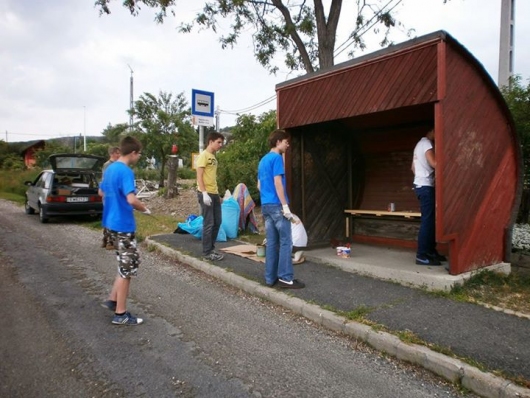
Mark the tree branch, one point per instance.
(293, 33)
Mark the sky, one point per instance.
(66, 70)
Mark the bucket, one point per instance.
(260, 250)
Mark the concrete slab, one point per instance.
(397, 265)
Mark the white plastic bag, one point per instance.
(299, 234)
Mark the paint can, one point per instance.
(260, 250)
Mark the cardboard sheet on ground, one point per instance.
(249, 251)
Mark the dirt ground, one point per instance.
(181, 206)
(185, 203)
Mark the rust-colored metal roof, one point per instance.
(393, 78)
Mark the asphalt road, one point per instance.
(201, 338)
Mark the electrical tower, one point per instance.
(506, 42)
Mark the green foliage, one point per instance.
(114, 133)
(10, 156)
(238, 161)
(517, 97)
(12, 181)
(186, 173)
(300, 32)
(13, 162)
(147, 174)
(52, 147)
(162, 122)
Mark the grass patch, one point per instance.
(507, 291)
(358, 314)
(13, 197)
(12, 181)
(148, 226)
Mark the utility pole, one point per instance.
(217, 118)
(131, 100)
(84, 128)
(506, 42)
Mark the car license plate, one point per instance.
(77, 199)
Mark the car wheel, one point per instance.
(42, 215)
(28, 208)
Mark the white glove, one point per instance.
(287, 212)
(206, 199)
(146, 211)
(295, 219)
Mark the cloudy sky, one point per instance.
(65, 70)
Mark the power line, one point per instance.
(250, 108)
(348, 42)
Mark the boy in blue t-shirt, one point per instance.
(275, 209)
(118, 188)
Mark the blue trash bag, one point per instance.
(230, 210)
(193, 226)
(221, 236)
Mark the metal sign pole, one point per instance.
(201, 138)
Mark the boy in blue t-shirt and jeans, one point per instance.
(275, 209)
(119, 189)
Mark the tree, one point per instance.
(238, 161)
(517, 98)
(52, 147)
(304, 32)
(114, 133)
(162, 122)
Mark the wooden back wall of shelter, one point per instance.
(317, 179)
(387, 156)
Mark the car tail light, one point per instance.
(56, 199)
(96, 198)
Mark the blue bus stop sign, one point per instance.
(202, 103)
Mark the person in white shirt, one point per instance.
(423, 165)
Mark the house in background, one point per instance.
(29, 153)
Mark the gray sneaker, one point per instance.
(109, 304)
(127, 319)
(213, 256)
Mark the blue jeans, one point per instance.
(278, 261)
(426, 235)
(212, 218)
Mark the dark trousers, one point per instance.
(426, 235)
(212, 218)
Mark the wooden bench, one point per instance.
(406, 214)
(378, 213)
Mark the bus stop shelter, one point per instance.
(354, 128)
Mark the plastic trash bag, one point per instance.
(299, 234)
(230, 210)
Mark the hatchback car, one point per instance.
(69, 189)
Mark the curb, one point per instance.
(485, 384)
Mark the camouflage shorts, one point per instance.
(107, 237)
(127, 253)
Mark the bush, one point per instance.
(186, 173)
(238, 161)
(149, 175)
